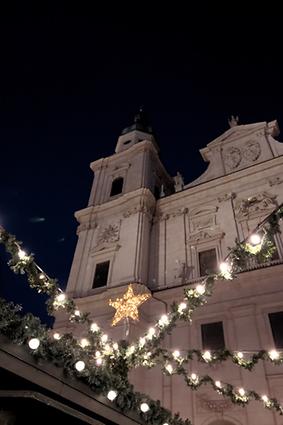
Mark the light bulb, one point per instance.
(224, 267)
(240, 355)
(60, 298)
(242, 392)
(142, 342)
(273, 354)
(77, 313)
(194, 377)
(218, 384)
(41, 276)
(182, 307)
(99, 361)
(255, 239)
(80, 365)
(34, 343)
(169, 368)
(111, 395)
(115, 346)
(84, 342)
(22, 254)
(150, 333)
(264, 398)
(94, 327)
(176, 354)
(200, 289)
(144, 407)
(104, 338)
(56, 336)
(163, 320)
(206, 356)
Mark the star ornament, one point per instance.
(127, 306)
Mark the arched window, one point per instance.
(117, 186)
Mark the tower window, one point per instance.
(207, 262)
(276, 323)
(101, 274)
(212, 336)
(117, 186)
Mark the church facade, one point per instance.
(144, 227)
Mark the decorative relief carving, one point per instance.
(255, 205)
(273, 181)
(203, 235)
(108, 234)
(217, 406)
(203, 222)
(251, 151)
(232, 157)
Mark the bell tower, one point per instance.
(114, 232)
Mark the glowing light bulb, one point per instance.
(218, 384)
(104, 338)
(41, 276)
(206, 356)
(169, 368)
(240, 355)
(150, 333)
(111, 395)
(60, 298)
(77, 313)
(34, 343)
(224, 267)
(163, 320)
(142, 342)
(176, 354)
(182, 307)
(115, 346)
(200, 289)
(22, 254)
(80, 365)
(273, 354)
(84, 342)
(56, 336)
(265, 398)
(144, 407)
(242, 392)
(255, 239)
(99, 361)
(194, 377)
(94, 327)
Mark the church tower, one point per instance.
(114, 230)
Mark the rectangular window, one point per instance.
(207, 262)
(101, 274)
(212, 336)
(276, 323)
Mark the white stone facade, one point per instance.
(156, 243)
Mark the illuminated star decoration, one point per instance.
(127, 306)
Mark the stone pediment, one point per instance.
(240, 147)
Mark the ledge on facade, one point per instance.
(201, 278)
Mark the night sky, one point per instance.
(72, 80)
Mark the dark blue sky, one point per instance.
(71, 81)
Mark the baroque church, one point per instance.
(144, 227)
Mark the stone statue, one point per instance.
(178, 182)
(233, 121)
